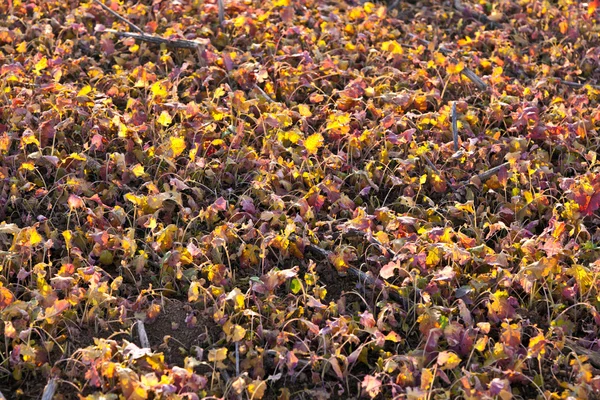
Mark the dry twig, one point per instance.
(269, 99)
(144, 342)
(455, 126)
(50, 389)
(118, 16)
(437, 171)
(221, 5)
(177, 43)
(576, 84)
(475, 15)
(492, 171)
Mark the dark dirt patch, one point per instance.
(346, 288)
(178, 328)
(32, 387)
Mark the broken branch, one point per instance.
(492, 171)
(455, 126)
(221, 5)
(49, 389)
(144, 342)
(177, 43)
(475, 15)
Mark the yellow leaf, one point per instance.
(219, 354)
(138, 170)
(237, 333)
(217, 115)
(455, 69)
(468, 207)
(28, 166)
(28, 237)
(220, 92)
(194, 291)
(582, 276)
(22, 47)
(68, 237)
(481, 343)
(76, 156)
(137, 200)
(34, 237)
(237, 297)
(293, 136)
(304, 110)
(238, 23)
(257, 389)
(167, 237)
(448, 360)
(439, 58)
(84, 91)
(536, 345)
(340, 122)
(369, 7)
(164, 119)
(40, 65)
(158, 89)
(434, 257)
(281, 3)
(29, 139)
(426, 378)
(313, 143)
(392, 47)
(177, 145)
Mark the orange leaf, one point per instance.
(6, 297)
(592, 6)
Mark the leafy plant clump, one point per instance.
(299, 199)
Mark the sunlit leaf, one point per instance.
(371, 385)
(164, 118)
(392, 47)
(304, 110)
(6, 297)
(313, 143)
(219, 354)
(256, 389)
(84, 91)
(455, 69)
(138, 170)
(41, 65)
(448, 360)
(295, 286)
(177, 145)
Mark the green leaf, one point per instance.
(295, 286)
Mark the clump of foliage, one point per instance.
(288, 210)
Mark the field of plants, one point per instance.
(299, 199)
